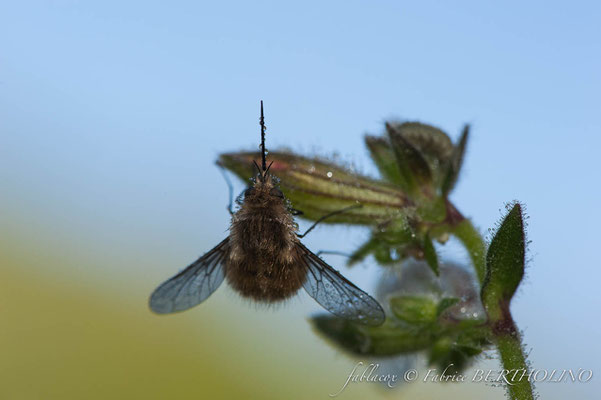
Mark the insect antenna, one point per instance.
(263, 158)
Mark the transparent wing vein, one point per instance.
(193, 285)
(337, 294)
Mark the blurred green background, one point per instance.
(112, 115)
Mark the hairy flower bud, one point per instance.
(318, 187)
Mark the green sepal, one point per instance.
(434, 144)
(445, 303)
(383, 156)
(455, 163)
(430, 255)
(413, 167)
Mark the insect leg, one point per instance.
(333, 252)
(328, 216)
(230, 189)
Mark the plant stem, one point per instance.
(508, 341)
(474, 244)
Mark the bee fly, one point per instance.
(264, 260)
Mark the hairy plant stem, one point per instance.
(474, 244)
(503, 331)
(508, 341)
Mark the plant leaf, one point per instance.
(505, 261)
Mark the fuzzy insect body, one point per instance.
(264, 260)
(264, 256)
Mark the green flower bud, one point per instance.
(385, 340)
(318, 187)
(416, 310)
(418, 157)
(438, 316)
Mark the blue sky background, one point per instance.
(113, 113)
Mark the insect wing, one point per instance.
(337, 294)
(193, 285)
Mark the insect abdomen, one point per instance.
(264, 263)
(261, 280)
